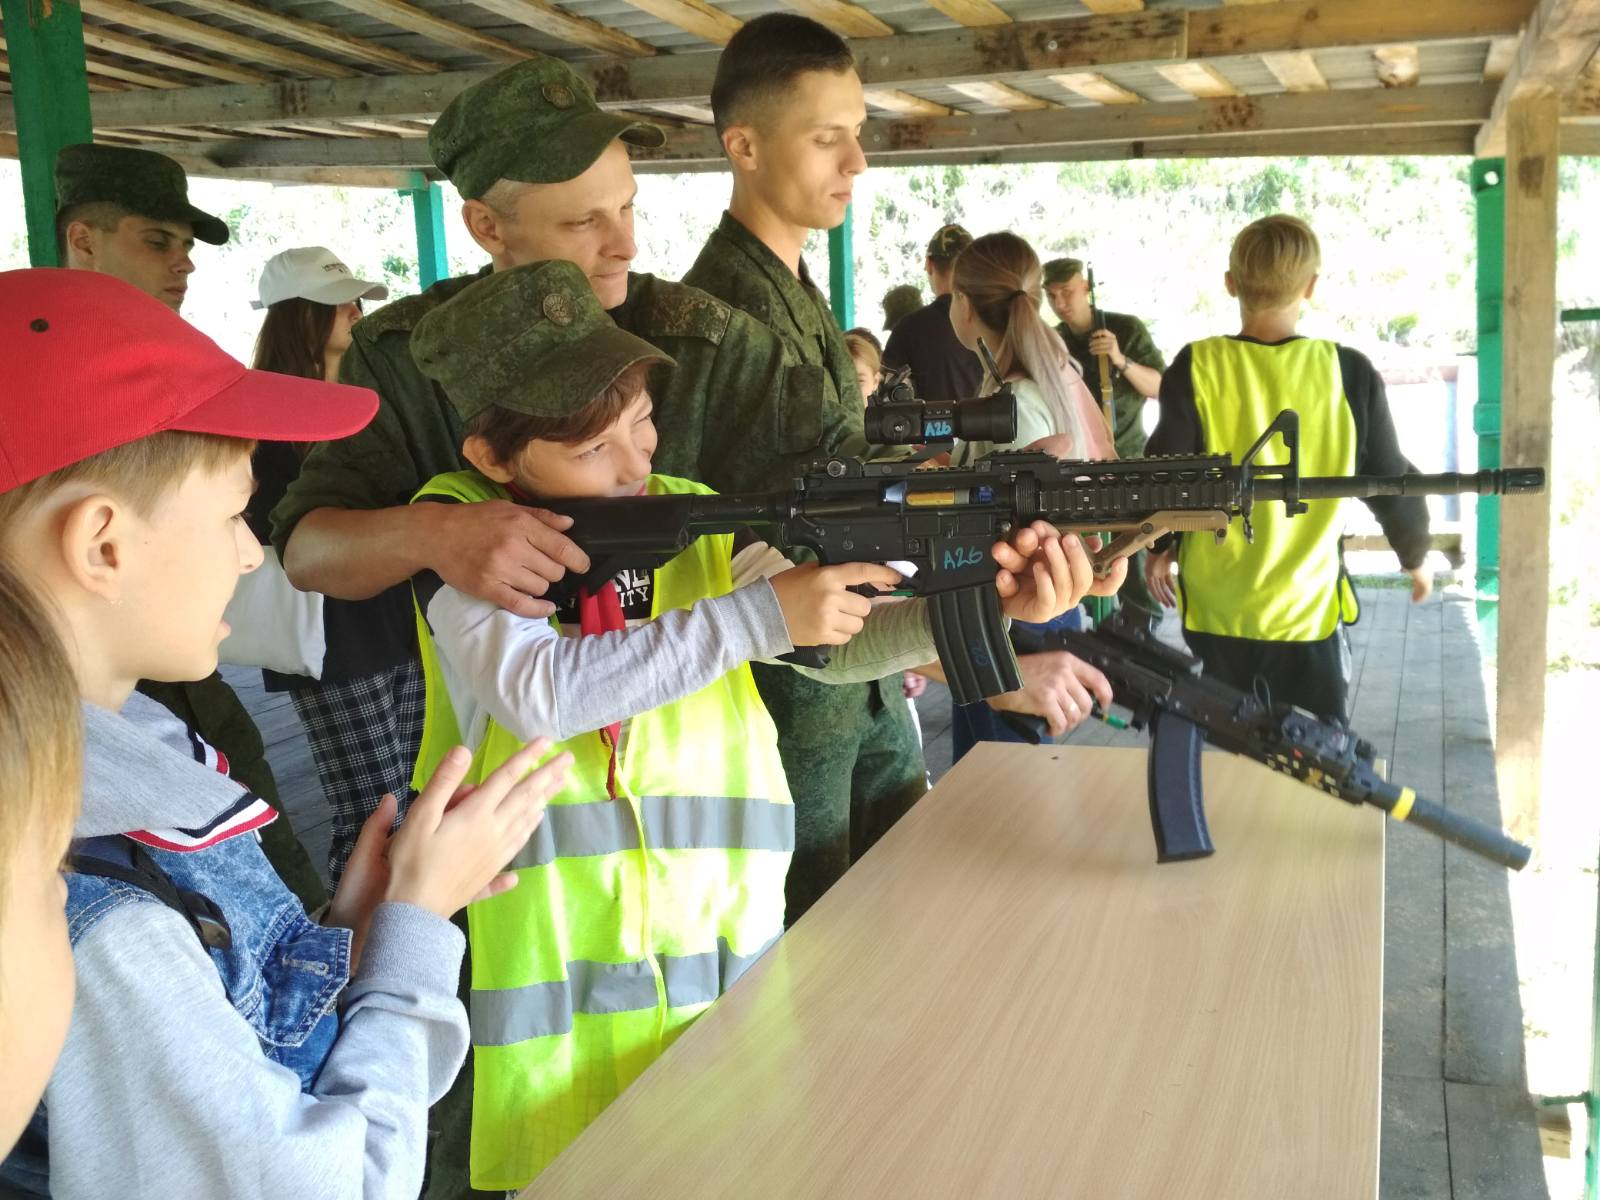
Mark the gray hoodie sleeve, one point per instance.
(162, 1089)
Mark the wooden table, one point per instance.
(1008, 997)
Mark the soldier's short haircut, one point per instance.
(104, 215)
(763, 60)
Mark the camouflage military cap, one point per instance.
(900, 302)
(536, 122)
(533, 339)
(1059, 270)
(950, 241)
(143, 182)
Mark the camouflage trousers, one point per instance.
(855, 767)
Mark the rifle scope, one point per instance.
(895, 417)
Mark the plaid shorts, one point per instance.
(365, 735)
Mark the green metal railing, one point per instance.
(842, 271)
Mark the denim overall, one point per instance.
(281, 971)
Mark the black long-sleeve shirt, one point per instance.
(1404, 519)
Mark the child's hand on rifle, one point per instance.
(1158, 577)
(818, 607)
(1044, 573)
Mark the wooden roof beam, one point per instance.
(1076, 44)
(1001, 95)
(1200, 80)
(323, 37)
(1561, 39)
(1359, 111)
(577, 31)
(98, 37)
(845, 19)
(221, 41)
(983, 12)
(693, 16)
(1091, 85)
(120, 74)
(420, 21)
(1296, 70)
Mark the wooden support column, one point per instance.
(842, 271)
(1529, 348)
(51, 93)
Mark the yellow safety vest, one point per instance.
(1287, 585)
(630, 916)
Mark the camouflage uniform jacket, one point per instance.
(736, 266)
(738, 413)
(1135, 342)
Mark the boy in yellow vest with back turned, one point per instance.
(657, 879)
(1274, 608)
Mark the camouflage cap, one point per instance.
(536, 122)
(1059, 270)
(900, 302)
(950, 241)
(533, 339)
(145, 183)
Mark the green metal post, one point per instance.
(842, 271)
(1489, 195)
(427, 206)
(50, 92)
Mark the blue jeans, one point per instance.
(974, 723)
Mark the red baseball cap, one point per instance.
(92, 363)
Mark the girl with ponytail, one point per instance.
(998, 291)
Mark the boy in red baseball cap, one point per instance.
(222, 1043)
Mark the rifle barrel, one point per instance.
(1507, 481)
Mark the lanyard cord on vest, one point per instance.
(599, 611)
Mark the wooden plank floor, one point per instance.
(1456, 1122)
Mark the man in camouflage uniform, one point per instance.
(1136, 367)
(126, 213)
(852, 753)
(545, 174)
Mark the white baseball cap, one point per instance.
(313, 273)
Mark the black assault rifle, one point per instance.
(937, 526)
(1165, 692)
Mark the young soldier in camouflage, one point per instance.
(545, 175)
(789, 108)
(1136, 367)
(126, 213)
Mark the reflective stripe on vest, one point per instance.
(505, 1016)
(1285, 585)
(670, 823)
(630, 915)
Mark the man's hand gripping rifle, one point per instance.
(1165, 692)
(937, 525)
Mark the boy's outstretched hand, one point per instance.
(818, 607)
(1044, 573)
(454, 841)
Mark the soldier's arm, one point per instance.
(1144, 365)
(345, 528)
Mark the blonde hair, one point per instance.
(140, 472)
(1000, 276)
(41, 727)
(864, 349)
(1272, 261)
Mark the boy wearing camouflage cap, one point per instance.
(789, 107)
(544, 174)
(664, 858)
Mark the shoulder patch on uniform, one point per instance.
(678, 310)
(402, 315)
